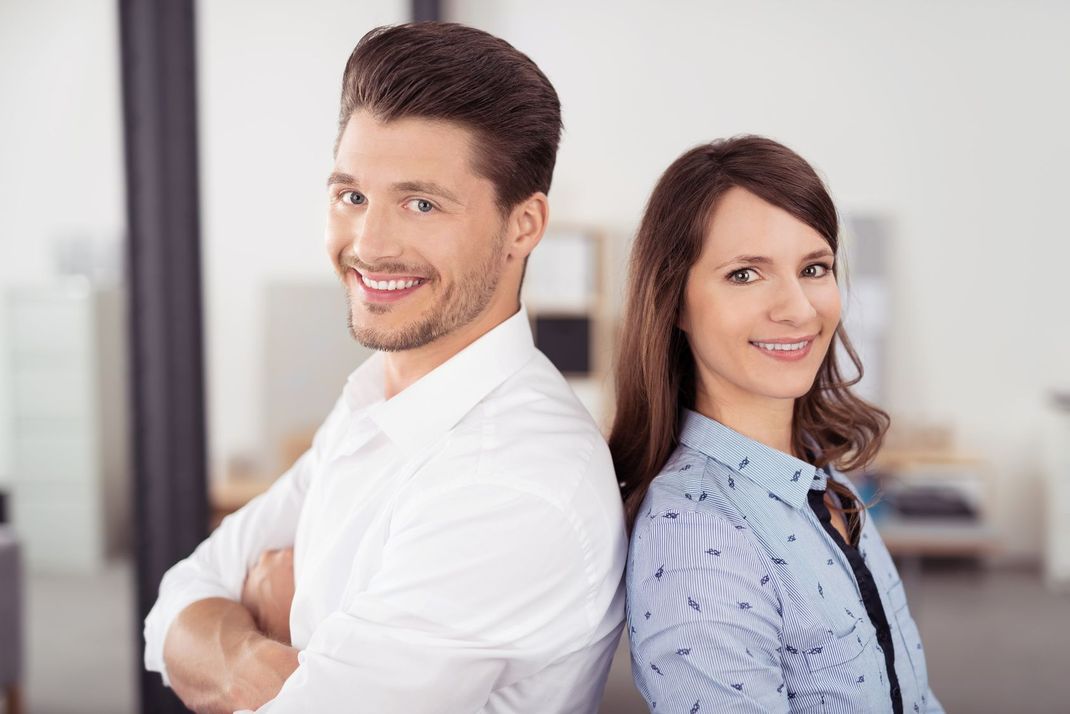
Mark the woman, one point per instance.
(754, 581)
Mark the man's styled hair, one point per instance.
(449, 72)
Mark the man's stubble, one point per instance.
(460, 304)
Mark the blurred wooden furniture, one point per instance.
(13, 700)
(1057, 497)
(917, 538)
(932, 462)
(244, 481)
(228, 495)
(10, 620)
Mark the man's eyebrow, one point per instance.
(429, 187)
(338, 177)
(763, 260)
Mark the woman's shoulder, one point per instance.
(689, 486)
(684, 467)
(682, 529)
(678, 479)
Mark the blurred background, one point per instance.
(171, 331)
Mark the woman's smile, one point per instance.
(787, 349)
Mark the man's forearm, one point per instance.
(218, 661)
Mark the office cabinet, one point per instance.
(68, 424)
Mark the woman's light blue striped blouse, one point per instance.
(739, 601)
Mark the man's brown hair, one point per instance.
(449, 72)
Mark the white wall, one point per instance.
(949, 117)
(269, 77)
(61, 171)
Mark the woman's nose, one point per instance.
(792, 304)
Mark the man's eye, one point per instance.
(745, 275)
(422, 205)
(354, 197)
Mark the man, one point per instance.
(456, 529)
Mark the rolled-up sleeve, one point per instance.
(218, 566)
(704, 616)
(479, 588)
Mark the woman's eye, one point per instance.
(817, 270)
(354, 198)
(745, 275)
(422, 205)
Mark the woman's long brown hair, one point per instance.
(655, 370)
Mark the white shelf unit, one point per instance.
(965, 474)
(566, 280)
(68, 421)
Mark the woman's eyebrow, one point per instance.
(763, 260)
(823, 253)
(759, 259)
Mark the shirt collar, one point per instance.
(782, 475)
(436, 402)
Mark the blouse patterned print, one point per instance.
(740, 601)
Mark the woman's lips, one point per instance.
(786, 355)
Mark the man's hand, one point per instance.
(222, 656)
(268, 593)
(218, 662)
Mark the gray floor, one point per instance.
(81, 643)
(997, 642)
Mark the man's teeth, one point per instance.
(791, 347)
(390, 284)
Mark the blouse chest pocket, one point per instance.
(837, 667)
(909, 638)
(830, 650)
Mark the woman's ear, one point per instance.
(683, 318)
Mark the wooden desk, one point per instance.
(950, 537)
(225, 497)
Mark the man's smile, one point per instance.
(383, 287)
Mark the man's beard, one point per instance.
(460, 304)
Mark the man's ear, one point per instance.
(526, 225)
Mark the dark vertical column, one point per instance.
(166, 356)
(426, 10)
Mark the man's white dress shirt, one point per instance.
(457, 548)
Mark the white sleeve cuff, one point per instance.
(164, 612)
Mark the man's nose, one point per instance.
(374, 237)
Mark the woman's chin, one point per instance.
(785, 389)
